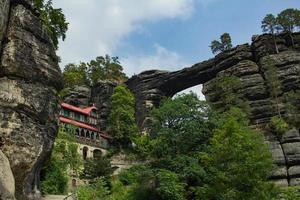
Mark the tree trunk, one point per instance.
(275, 43)
(292, 39)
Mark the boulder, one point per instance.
(7, 181)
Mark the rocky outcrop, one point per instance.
(7, 181)
(255, 67)
(99, 94)
(29, 80)
(77, 96)
(247, 62)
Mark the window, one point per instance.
(66, 113)
(71, 115)
(77, 117)
(94, 113)
(74, 184)
(85, 152)
(83, 118)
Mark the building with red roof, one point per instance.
(82, 122)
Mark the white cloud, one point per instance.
(162, 59)
(97, 27)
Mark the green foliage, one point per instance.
(270, 25)
(64, 157)
(238, 163)
(227, 88)
(170, 187)
(122, 124)
(106, 68)
(222, 45)
(289, 193)
(143, 146)
(53, 20)
(196, 154)
(54, 177)
(101, 68)
(292, 105)
(96, 191)
(95, 168)
(178, 120)
(273, 83)
(75, 75)
(278, 125)
(289, 19)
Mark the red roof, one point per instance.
(76, 123)
(83, 125)
(85, 111)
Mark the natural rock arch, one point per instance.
(249, 63)
(244, 61)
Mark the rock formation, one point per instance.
(99, 94)
(29, 80)
(251, 65)
(7, 181)
(77, 96)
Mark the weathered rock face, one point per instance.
(247, 62)
(7, 181)
(251, 65)
(77, 96)
(4, 10)
(99, 95)
(29, 81)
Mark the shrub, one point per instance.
(278, 125)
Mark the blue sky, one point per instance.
(159, 34)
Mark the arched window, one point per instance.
(85, 152)
(88, 134)
(92, 135)
(74, 183)
(97, 136)
(77, 131)
(82, 134)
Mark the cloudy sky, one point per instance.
(158, 34)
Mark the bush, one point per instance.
(55, 178)
(288, 193)
(238, 164)
(96, 191)
(278, 125)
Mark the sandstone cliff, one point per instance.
(99, 95)
(29, 80)
(249, 64)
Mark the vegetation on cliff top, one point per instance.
(53, 20)
(99, 69)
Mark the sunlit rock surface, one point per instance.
(29, 80)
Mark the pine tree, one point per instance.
(269, 25)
